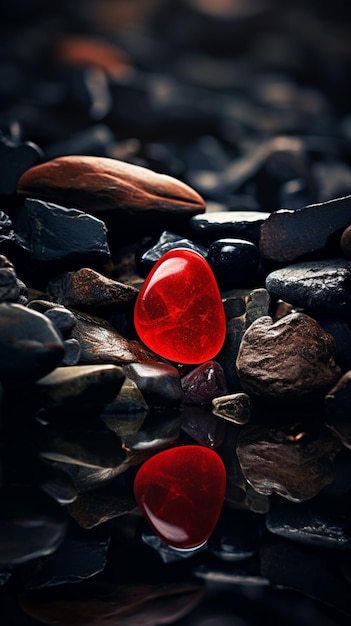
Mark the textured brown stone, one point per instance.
(100, 342)
(292, 357)
(88, 289)
(294, 460)
(234, 407)
(96, 184)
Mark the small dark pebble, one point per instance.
(215, 225)
(63, 319)
(203, 383)
(235, 262)
(159, 383)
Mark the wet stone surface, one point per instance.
(130, 130)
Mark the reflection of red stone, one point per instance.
(179, 312)
(180, 492)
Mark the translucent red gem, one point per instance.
(180, 491)
(179, 312)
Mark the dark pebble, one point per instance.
(159, 383)
(215, 225)
(321, 286)
(203, 383)
(72, 352)
(235, 262)
(30, 344)
(62, 318)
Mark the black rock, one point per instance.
(159, 383)
(288, 236)
(57, 237)
(30, 346)
(235, 262)
(322, 286)
(222, 224)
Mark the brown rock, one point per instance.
(235, 407)
(294, 460)
(292, 357)
(100, 184)
(88, 289)
(100, 342)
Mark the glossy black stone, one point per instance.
(235, 262)
(215, 225)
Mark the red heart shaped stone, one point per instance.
(179, 312)
(180, 491)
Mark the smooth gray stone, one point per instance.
(159, 383)
(314, 285)
(80, 385)
(72, 352)
(30, 346)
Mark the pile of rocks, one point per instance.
(129, 129)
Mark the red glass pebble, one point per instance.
(179, 312)
(180, 491)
